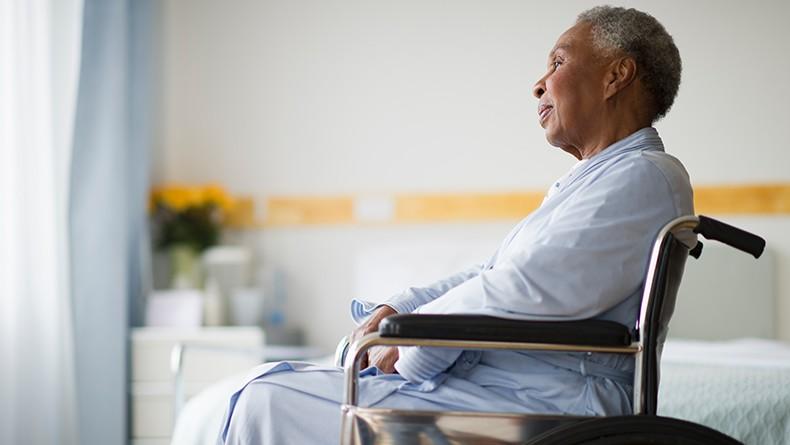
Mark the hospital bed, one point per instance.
(697, 383)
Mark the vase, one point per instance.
(185, 269)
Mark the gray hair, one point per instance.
(642, 37)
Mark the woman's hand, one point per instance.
(383, 357)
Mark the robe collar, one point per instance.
(645, 139)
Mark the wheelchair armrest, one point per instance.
(484, 332)
(487, 328)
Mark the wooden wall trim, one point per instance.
(283, 211)
(763, 199)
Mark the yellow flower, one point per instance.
(216, 195)
(181, 197)
(189, 214)
(176, 198)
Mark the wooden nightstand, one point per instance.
(152, 391)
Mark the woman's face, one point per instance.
(571, 93)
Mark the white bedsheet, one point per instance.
(201, 417)
(753, 352)
(740, 387)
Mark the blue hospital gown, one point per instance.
(582, 254)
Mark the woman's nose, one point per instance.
(539, 89)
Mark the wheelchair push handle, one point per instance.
(732, 236)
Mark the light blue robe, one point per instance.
(582, 254)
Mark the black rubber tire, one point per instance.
(633, 430)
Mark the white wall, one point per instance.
(326, 97)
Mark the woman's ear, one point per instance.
(620, 73)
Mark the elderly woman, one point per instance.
(581, 255)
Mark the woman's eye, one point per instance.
(556, 64)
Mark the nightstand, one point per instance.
(152, 391)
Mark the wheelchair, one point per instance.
(644, 341)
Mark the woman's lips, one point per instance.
(544, 112)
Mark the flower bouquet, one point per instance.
(186, 220)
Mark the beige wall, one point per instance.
(364, 97)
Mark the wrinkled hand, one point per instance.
(383, 357)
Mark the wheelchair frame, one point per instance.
(644, 341)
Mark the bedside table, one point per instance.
(152, 391)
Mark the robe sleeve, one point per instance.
(410, 299)
(591, 255)
(413, 297)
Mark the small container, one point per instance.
(246, 306)
(213, 307)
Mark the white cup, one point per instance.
(246, 306)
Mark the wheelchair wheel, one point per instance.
(633, 430)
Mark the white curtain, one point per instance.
(39, 60)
